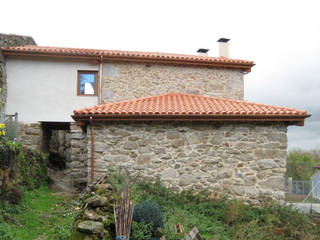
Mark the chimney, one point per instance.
(223, 47)
(203, 51)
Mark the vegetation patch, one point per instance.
(20, 168)
(300, 164)
(41, 215)
(216, 219)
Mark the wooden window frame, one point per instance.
(95, 83)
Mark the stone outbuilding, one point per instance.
(232, 147)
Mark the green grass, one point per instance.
(41, 215)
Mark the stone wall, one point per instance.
(78, 163)
(30, 135)
(7, 40)
(246, 161)
(129, 81)
(60, 143)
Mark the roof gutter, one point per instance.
(291, 120)
(92, 150)
(100, 80)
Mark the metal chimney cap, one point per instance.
(225, 40)
(203, 50)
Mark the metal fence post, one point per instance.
(16, 125)
(290, 184)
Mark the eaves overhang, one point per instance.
(287, 119)
(130, 56)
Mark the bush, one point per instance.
(149, 213)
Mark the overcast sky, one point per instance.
(282, 37)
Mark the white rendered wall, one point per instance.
(45, 89)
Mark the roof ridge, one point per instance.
(195, 99)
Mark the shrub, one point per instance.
(149, 213)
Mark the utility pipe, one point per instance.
(100, 80)
(92, 150)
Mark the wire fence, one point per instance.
(298, 187)
(9, 125)
(303, 191)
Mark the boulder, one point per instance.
(91, 227)
(97, 201)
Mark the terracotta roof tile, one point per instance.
(118, 55)
(193, 106)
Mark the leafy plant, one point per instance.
(141, 230)
(5, 233)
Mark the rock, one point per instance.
(187, 180)
(192, 138)
(76, 136)
(267, 164)
(145, 150)
(97, 201)
(130, 146)
(169, 173)
(274, 183)
(100, 147)
(122, 133)
(160, 151)
(133, 138)
(238, 190)
(90, 227)
(32, 131)
(91, 215)
(250, 180)
(173, 135)
(143, 158)
(225, 173)
(178, 143)
(251, 192)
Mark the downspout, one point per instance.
(100, 80)
(92, 150)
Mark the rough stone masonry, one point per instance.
(242, 160)
(123, 81)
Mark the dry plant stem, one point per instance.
(123, 214)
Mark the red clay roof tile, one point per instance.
(117, 55)
(183, 106)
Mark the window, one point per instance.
(87, 83)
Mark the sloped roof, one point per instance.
(130, 56)
(185, 107)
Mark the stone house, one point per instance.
(180, 118)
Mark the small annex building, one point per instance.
(232, 147)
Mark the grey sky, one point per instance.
(282, 37)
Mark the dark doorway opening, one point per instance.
(56, 142)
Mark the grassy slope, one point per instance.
(42, 215)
